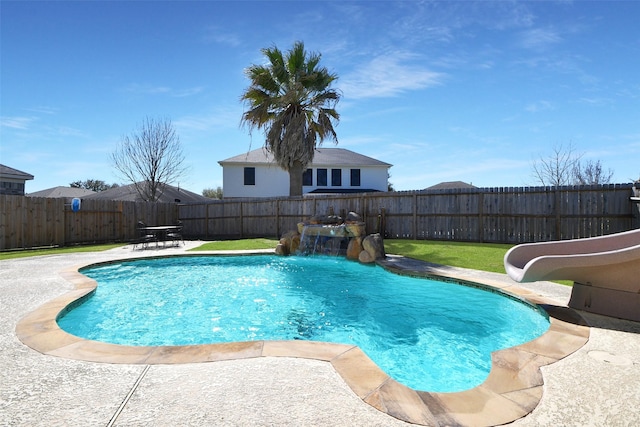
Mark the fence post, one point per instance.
(414, 226)
(118, 221)
(60, 223)
(381, 224)
(481, 217)
(556, 196)
(241, 221)
(206, 219)
(278, 218)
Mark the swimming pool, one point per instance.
(427, 334)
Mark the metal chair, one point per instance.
(144, 237)
(175, 235)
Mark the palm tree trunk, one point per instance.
(295, 179)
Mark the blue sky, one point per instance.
(444, 91)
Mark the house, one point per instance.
(67, 193)
(12, 180)
(170, 194)
(333, 170)
(449, 185)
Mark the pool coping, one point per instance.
(512, 390)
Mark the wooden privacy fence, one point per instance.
(27, 222)
(500, 215)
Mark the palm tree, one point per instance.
(291, 101)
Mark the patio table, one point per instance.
(161, 232)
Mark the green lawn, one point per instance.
(241, 244)
(55, 251)
(478, 256)
(211, 246)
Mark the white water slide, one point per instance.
(605, 270)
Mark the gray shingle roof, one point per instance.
(170, 195)
(322, 157)
(8, 172)
(62, 192)
(450, 185)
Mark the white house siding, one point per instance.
(371, 178)
(271, 181)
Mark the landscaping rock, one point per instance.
(374, 245)
(353, 217)
(290, 241)
(354, 248)
(365, 257)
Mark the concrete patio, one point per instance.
(598, 385)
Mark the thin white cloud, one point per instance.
(475, 135)
(369, 114)
(448, 22)
(43, 110)
(388, 76)
(507, 15)
(539, 38)
(360, 140)
(452, 60)
(69, 131)
(632, 91)
(595, 102)
(539, 106)
(19, 123)
(187, 92)
(563, 64)
(219, 119)
(218, 35)
(44, 156)
(144, 89)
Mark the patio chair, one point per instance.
(144, 237)
(175, 235)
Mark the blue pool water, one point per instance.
(427, 334)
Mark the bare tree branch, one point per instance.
(557, 169)
(564, 167)
(591, 173)
(150, 158)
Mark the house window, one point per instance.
(307, 178)
(355, 177)
(249, 176)
(13, 188)
(336, 177)
(321, 176)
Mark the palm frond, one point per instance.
(292, 101)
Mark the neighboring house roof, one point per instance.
(67, 192)
(450, 185)
(322, 157)
(7, 172)
(171, 194)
